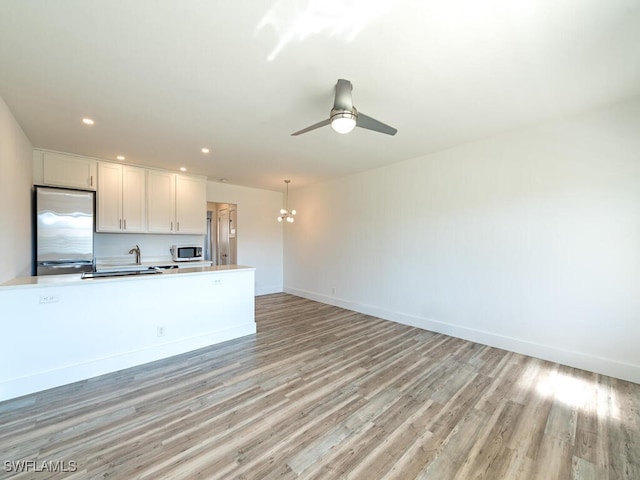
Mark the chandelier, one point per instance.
(285, 214)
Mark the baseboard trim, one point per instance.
(584, 361)
(18, 387)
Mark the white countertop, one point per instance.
(75, 278)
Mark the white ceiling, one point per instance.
(164, 78)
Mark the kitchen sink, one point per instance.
(121, 273)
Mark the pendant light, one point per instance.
(285, 214)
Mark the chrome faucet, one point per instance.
(137, 252)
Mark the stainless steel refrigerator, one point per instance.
(64, 226)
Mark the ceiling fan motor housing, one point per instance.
(342, 113)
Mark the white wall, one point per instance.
(528, 241)
(15, 197)
(259, 235)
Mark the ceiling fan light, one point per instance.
(343, 121)
(343, 125)
(280, 219)
(293, 212)
(283, 211)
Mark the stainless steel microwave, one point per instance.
(186, 253)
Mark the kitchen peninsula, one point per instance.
(63, 328)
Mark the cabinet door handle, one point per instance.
(177, 226)
(91, 180)
(120, 227)
(172, 226)
(125, 223)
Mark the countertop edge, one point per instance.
(74, 278)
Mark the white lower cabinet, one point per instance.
(193, 309)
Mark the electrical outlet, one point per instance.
(160, 331)
(49, 298)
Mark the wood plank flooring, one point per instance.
(324, 393)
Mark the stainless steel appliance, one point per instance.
(186, 253)
(64, 226)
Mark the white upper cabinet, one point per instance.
(161, 202)
(62, 170)
(134, 199)
(130, 199)
(191, 205)
(176, 203)
(121, 198)
(109, 198)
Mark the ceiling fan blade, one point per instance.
(343, 100)
(364, 121)
(323, 123)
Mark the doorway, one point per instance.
(222, 230)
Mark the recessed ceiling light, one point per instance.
(183, 169)
(120, 157)
(88, 121)
(205, 150)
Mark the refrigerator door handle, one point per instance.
(63, 264)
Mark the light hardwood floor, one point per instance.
(321, 393)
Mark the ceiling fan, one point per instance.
(344, 117)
